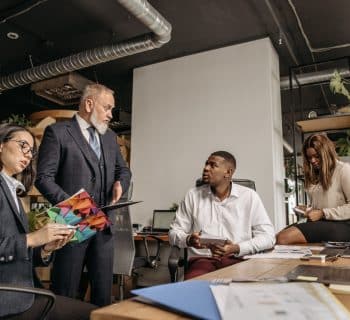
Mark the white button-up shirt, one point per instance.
(13, 184)
(240, 218)
(84, 126)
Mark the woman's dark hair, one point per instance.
(325, 149)
(27, 176)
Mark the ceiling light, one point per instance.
(13, 35)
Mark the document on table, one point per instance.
(282, 301)
(285, 252)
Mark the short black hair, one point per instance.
(227, 156)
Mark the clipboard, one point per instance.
(119, 205)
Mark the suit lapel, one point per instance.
(75, 131)
(20, 215)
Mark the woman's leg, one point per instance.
(290, 235)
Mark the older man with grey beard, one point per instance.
(83, 153)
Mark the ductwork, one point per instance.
(141, 9)
(316, 77)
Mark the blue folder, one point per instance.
(193, 298)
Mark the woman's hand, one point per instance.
(314, 214)
(49, 233)
(58, 244)
(227, 249)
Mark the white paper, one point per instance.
(282, 301)
(285, 252)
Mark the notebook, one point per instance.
(160, 223)
(323, 274)
(332, 252)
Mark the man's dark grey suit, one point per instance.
(66, 164)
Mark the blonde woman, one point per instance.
(327, 184)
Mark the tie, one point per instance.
(93, 142)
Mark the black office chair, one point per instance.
(177, 261)
(47, 295)
(125, 261)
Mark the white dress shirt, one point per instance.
(13, 185)
(84, 126)
(240, 218)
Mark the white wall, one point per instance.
(186, 108)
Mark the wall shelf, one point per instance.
(335, 122)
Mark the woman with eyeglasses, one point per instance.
(21, 250)
(327, 184)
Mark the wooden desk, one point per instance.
(164, 237)
(131, 309)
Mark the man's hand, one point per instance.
(117, 192)
(314, 214)
(228, 249)
(194, 240)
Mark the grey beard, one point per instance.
(100, 127)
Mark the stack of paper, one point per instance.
(284, 252)
(269, 301)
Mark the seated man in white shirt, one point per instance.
(220, 208)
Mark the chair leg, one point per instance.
(121, 287)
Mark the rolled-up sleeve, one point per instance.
(263, 233)
(181, 227)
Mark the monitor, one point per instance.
(162, 220)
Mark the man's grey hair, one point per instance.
(94, 90)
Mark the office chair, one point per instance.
(175, 260)
(125, 262)
(48, 295)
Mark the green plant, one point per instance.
(19, 119)
(337, 85)
(342, 145)
(37, 218)
(174, 206)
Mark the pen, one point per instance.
(67, 226)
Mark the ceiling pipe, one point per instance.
(315, 77)
(141, 9)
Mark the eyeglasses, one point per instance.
(25, 147)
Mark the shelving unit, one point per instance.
(313, 76)
(326, 123)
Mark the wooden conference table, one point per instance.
(132, 310)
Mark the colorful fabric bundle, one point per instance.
(81, 211)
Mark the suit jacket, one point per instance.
(16, 260)
(65, 163)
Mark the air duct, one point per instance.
(316, 77)
(141, 9)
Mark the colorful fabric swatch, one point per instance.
(80, 210)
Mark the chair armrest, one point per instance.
(174, 256)
(50, 296)
(174, 262)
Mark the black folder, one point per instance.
(119, 205)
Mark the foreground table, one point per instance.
(256, 268)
